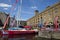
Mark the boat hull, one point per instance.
(14, 32)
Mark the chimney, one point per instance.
(36, 12)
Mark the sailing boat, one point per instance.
(16, 30)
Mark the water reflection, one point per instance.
(18, 37)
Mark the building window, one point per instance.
(49, 12)
(38, 18)
(38, 21)
(56, 10)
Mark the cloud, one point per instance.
(27, 12)
(23, 19)
(5, 5)
(34, 7)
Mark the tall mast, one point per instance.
(19, 13)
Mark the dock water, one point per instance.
(48, 35)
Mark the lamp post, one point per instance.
(41, 21)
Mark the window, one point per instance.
(38, 21)
(55, 9)
(38, 18)
(49, 12)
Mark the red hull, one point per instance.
(9, 32)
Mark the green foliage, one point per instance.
(25, 24)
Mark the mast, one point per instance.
(19, 13)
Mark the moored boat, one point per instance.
(16, 30)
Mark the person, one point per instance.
(56, 24)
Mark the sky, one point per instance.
(24, 9)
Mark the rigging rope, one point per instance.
(9, 16)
